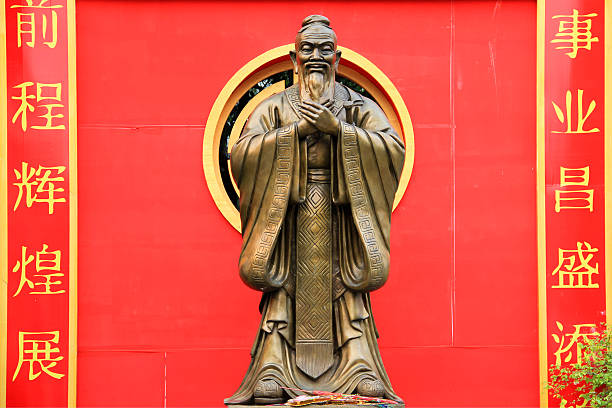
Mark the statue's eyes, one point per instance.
(306, 49)
(327, 50)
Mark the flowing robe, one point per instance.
(270, 165)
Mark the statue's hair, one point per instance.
(314, 19)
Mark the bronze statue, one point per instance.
(317, 167)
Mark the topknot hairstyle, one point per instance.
(314, 19)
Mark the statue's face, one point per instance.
(316, 52)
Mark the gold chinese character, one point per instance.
(580, 116)
(56, 95)
(26, 23)
(45, 185)
(569, 344)
(44, 92)
(45, 262)
(574, 33)
(25, 105)
(575, 177)
(35, 349)
(574, 269)
(574, 199)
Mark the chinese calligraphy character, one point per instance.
(580, 117)
(25, 105)
(45, 191)
(574, 199)
(574, 177)
(44, 92)
(36, 349)
(569, 343)
(574, 269)
(26, 23)
(574, 32)
(46, 262)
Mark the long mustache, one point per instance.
(317, 62)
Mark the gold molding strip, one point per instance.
(73, 209)
(3, 206)
(608, 157)
(541, 200)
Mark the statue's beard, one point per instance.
(316, 86)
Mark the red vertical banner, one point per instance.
(38, 203)
(571, 180)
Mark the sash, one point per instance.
(314, 347)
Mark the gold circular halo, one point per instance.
(352, 65)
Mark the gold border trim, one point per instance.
(220, 106)
(3, 206)
(541, 199)
(608, 156)
(73, 209)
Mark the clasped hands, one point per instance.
(317, 117)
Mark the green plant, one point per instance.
(589, 380)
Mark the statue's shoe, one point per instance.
(370, 388)
(268, 392)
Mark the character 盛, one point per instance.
(317, 167)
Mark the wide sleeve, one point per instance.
(264, 162)
(369, 165)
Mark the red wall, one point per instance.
(164, 319)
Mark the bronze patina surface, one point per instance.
(317, 166)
